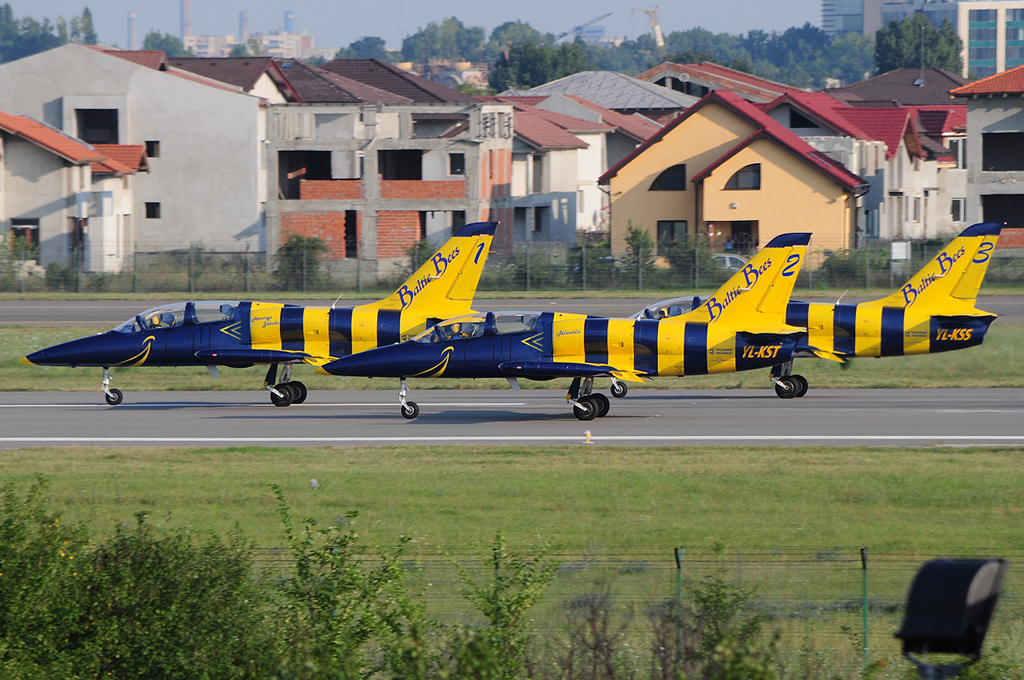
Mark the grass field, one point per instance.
(997, 363)
(643, 498)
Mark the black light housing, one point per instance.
(950, 606)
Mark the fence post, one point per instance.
(680, 554)
(584, 266)
(191, 268)
(23, 268)
(696, 263)
(867, 269)
(79, 256)
(247, 267)
(135, 267)
(864, 605)
(640, 266)
(359, 271)
(527, 266)
(303, 265)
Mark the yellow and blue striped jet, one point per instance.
(933, 312)
(242, 334)
(741, 327)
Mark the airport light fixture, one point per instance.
(949, 609)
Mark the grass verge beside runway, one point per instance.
(997, 363)
(640, 498)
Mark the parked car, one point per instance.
(729, 261)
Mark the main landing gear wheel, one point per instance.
(585, 409)
(287, 397)
(410, 410)
(300, 390)
(601, 402)
(115, 397)
(800, 383)
(786, 387)
(619, 390)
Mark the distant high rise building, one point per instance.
(839, 17)
(243, 26)
(289, 22)
(133, 42)
(186, 19)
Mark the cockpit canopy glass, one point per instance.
(515, 322)
(459, 328)
(170, 316)
(669, 308)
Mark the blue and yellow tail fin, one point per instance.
(446, 283)
(949, 284)
(756, 296)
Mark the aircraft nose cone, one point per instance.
(26, 360)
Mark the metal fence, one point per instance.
(531, 267)
(825, 603)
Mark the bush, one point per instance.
(300, 264)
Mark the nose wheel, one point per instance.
(618, 390)
(410, 409)
(113, 395)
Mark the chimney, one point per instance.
(186, 19)
(243, 27)
(133, 42)
(289, 22)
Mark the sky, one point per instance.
(341, 22)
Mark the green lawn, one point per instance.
(997, 363)
(575, 496)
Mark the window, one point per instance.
(351, 233)
(459, 328)
(745, 179)
(153, 149)
(458, 220)
(958, 209)
(981, 35)
(1002, 151)
(673, 179)
(24, 236)
(211, 312)
(580, 194)
(1015, 15)
(799, 120)
(514, 323)
(981, 15)
(295, 166)
(958, 150)
(917, 208)
(670, 231)
(400, 164)
(456, 164)
(97, 126)
(152, 211)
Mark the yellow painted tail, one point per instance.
(756, 296)
(949, 284)
(446, 283)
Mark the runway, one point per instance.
(905, 417)
(109, 313)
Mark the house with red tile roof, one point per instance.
(207, 177)
(908, 155)
(727, 171)
(563, 144)
(65, 201)
(995, 150)
(700, 79)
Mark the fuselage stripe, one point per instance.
(292, 337)
(645, 346)
(695, 349)
(796, 314)
(341, 332)
(595, 340)
(892, 331)
(844, 329)
(389, 327)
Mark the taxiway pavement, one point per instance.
(903, 417)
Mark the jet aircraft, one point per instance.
(933, 312)
(243, 334)
(741, 327)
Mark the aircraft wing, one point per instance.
(251, 356)
(563, 369)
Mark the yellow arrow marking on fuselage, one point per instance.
(534, 341)
(439, 366)
(144, 353)
(234, 330)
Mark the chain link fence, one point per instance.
(306, 265)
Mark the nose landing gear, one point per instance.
(113, 396)
(410, 409)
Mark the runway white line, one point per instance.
(261, 405)
(520, 438)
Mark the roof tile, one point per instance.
(898, 86)
(49, 138)
(1007, 82)
(121, 158)
(380, 74)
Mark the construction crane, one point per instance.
(659, 37)
(577, 29)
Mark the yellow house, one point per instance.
(726, 170)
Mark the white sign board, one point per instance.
(901, 250)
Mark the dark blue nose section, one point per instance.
(106, 349)
(405, 360)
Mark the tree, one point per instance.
(915, 42)
(514, 33)
(447, 40)
(167, 43)
(529, 65)
(369, 47)
(82, 30)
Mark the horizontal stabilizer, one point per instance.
(250, 356)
